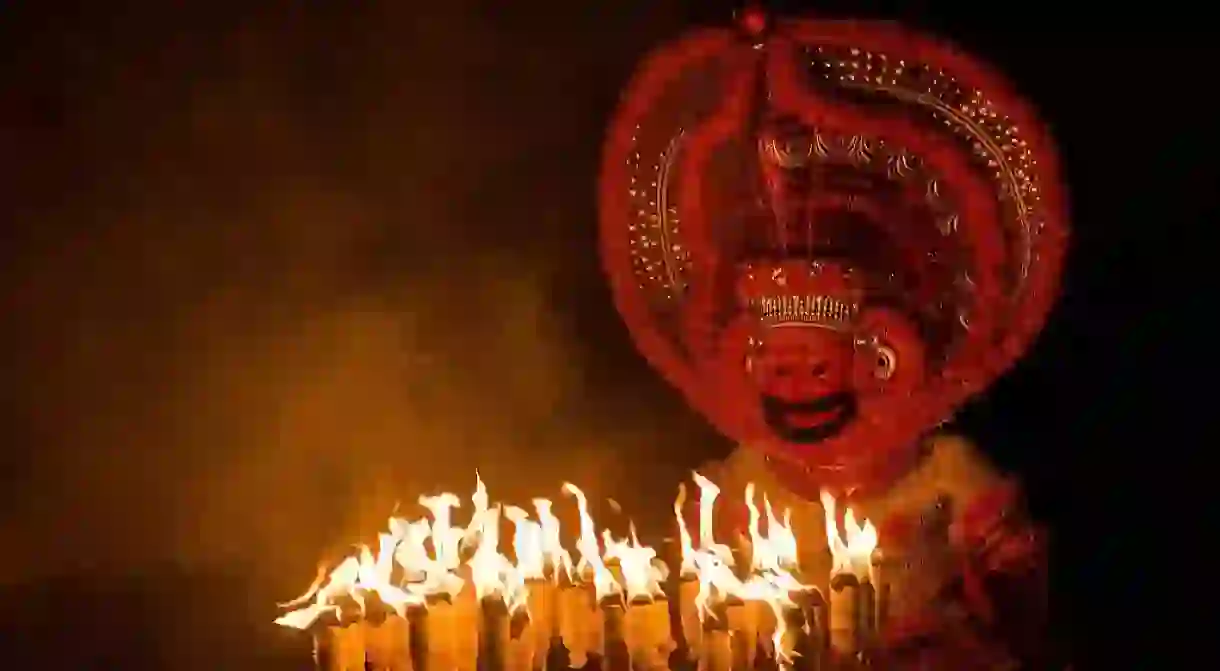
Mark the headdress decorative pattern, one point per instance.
(896, 135)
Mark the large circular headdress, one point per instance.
(811, 175)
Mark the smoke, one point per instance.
(277, 275)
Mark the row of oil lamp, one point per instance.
(434, 596)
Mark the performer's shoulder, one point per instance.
(960, 466)
(952, 448)
(948, 452)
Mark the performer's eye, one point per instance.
(887, 363)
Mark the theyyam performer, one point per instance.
(828, 235)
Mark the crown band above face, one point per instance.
(811, 309)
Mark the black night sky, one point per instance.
(268, 271)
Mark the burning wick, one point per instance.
(723, 600)
(644, 627)
(852, 596)
(333, 607)
(436, 596)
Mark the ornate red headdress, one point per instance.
(828, 234)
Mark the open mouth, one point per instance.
(809, 422)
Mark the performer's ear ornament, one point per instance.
(886, 363)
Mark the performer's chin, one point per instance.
(809, 422)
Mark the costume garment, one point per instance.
(828, 235)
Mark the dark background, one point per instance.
(268, 271)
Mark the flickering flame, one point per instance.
(446, 539)
(773, 559)
(780, 539)
(557, 558)
(642, 575)
(423, 573)
(852, 550)
(537, 544)
(492, 573)
(405, 571)
(773, 555)
(527, 543)
(711, 562)
(433, 556)
(439, 568)
(590, 560)
(708, 491)
(355, 577)
(688, 568)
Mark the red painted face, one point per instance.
(808, 363)
(801, 320)
(804, 380)
(801, 365)
(830, 236)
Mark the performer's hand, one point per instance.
(997, 535)
(1014, 552)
